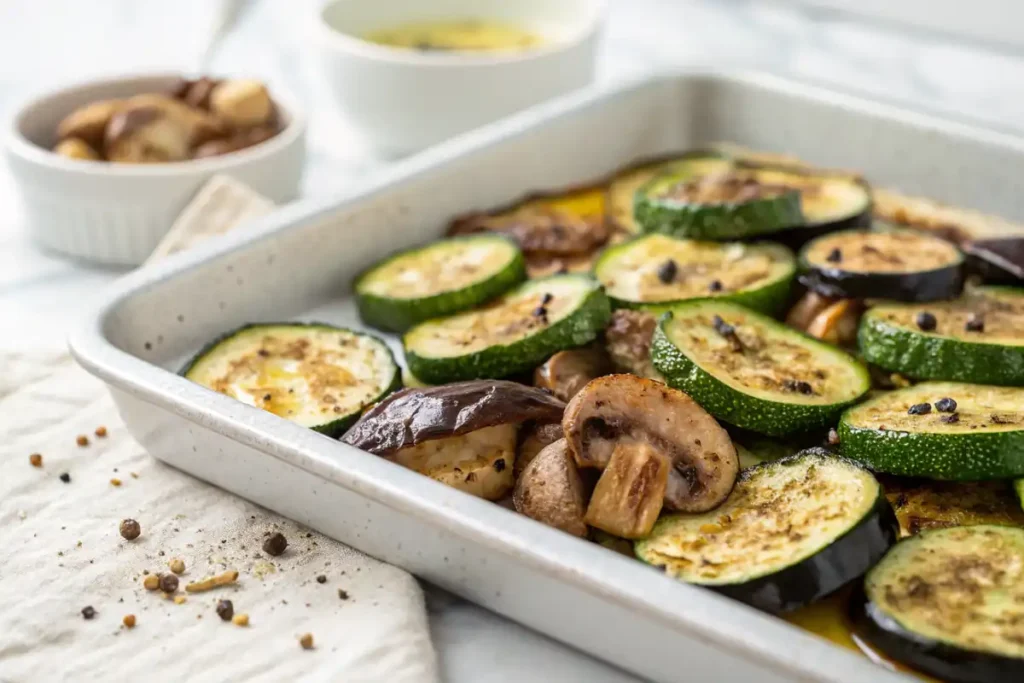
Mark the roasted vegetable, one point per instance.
(628, 342)
(630, 493)
(550, 491)
(634, 413)
(904, 432)
(754, 372)
(922, 504)
(533, 438)
(900, 265)
(977, 338)
(793, 531)
(998, 261)
(566, 372)
(317, 375)
(950, 603)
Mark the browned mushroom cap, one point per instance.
(550, 490)
(534, 438)
(628, 341)
(566, 372)
(626, 410)
(412, 416)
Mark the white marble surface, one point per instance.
(46, 42)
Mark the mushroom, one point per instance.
(628, 497)
(88, 123)
(76, 148)
(550, 490)
(539, 228)
(200, 125)
(243, 103)
(197, 93)
(630, 417)
(566, 372)
(838, 323)
(146, 135)
(534, 438)
(462, 434)
(628, 342)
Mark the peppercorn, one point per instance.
(177, 566)
(306, 641)
(276, 544)
(546, 299)
(88, 612)
(715, 286)
(834, 256)
(129, 620)
(667, 271)
(225, 609)
(321, 579)
(36, 460)
(65, 477)
(950, 419)
(499, 465)
(945, 405)
(975, 323)
(920, 409)
(82, 440)
(130, 529)
(168, 583)
(151, 582)
(925, 321)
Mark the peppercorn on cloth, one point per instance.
(62, 551)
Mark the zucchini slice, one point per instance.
(792, 531)
(655, 271)
(977, 338)
(436, 280)
(949, 602)
(512, 334)
(752, 371)
(828, 201)
(317, 375)
(900, 265)
(623, 187)
(716, 207)
(902, 432)
(922, 504)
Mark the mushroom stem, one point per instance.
(628, 496)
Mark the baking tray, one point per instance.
(298, 264)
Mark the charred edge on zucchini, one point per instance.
(792, 531)
(977, 338)
(654, 272)
(315, 374)
(510, 335)
(775, 381)
(437, 280)
(899, 265)
(985, 442)
(716, 207)
(632, 416)
(950, 603)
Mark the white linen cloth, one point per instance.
(61, 550)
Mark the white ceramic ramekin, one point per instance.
(403, 100)
(117, 213)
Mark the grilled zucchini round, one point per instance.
(317, 375)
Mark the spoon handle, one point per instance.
(227, 15)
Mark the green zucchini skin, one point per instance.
(581, 327)
(770, 298)
(843, 560)
(944, 660)
(924, 356)
(716, 222)
(958, 456)
(333, 428)
(731, 405)
(398, 315)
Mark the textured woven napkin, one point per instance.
(62, 551)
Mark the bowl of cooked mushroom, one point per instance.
(103, 169)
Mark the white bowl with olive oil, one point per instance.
(409, 73)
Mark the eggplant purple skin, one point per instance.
(412, 416)
(944, 661)
(932, 285)
(845, 559)
(998, 261)
(795, 238)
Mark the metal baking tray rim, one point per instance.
(705, 616)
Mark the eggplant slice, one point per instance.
(631, 411)
(550, 490)
(923, 504)
(997, 261)
(899, 265)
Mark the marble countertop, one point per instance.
(40, 293)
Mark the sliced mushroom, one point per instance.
(76, 148)
(627, 410)
(550, 490)
(200, 125)
(533, 439)
(462, 434)
(838, 323)
(140, 135)
(542, 264)
(566, 372)
(807, 309)
(628, 341)
(629, 495)
(89, 122)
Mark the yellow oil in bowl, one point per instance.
(470, 35)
